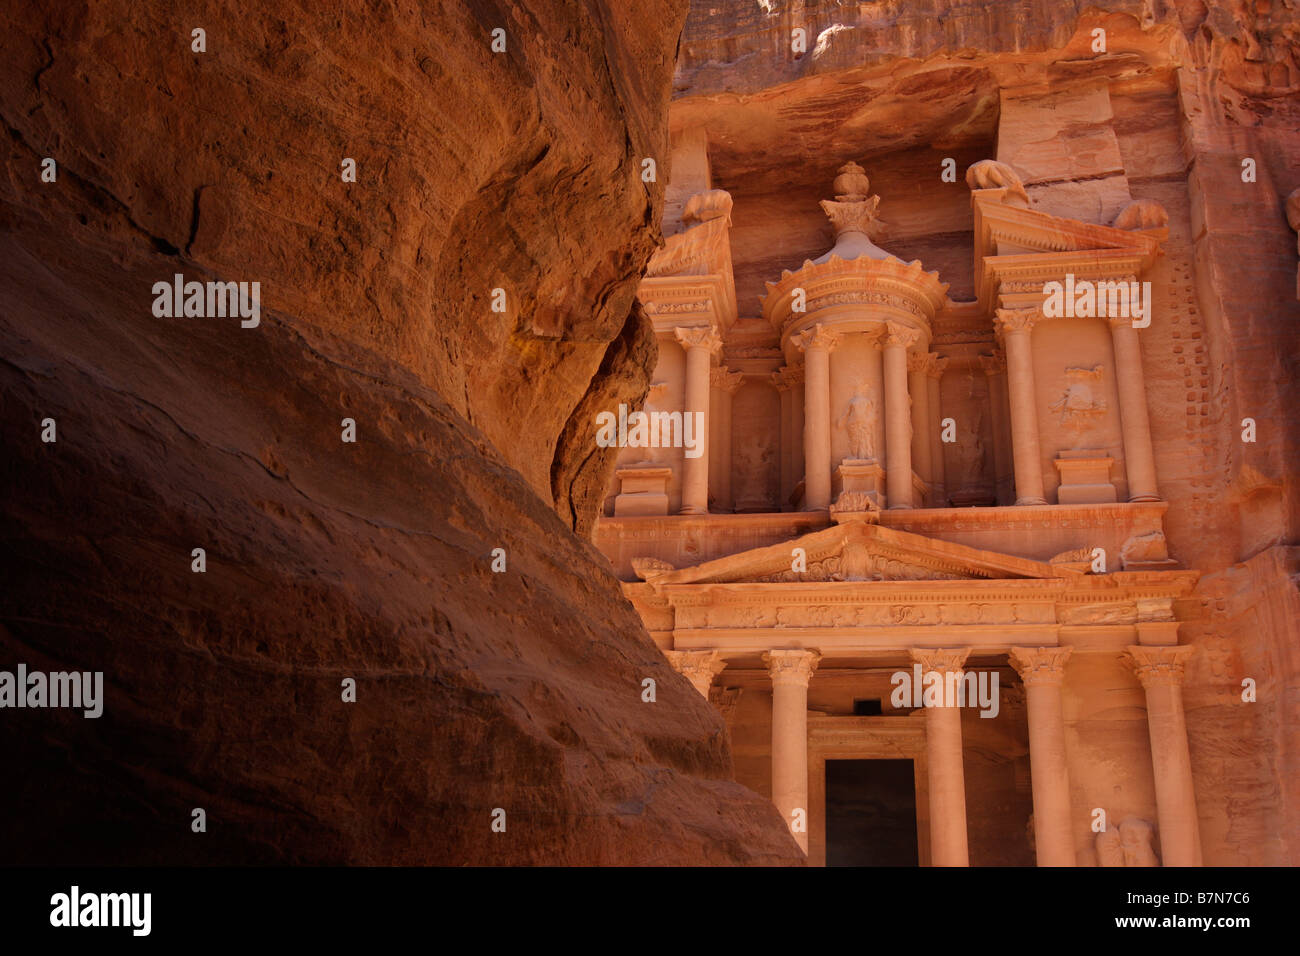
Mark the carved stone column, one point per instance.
(698, 667)
(796, 430)
(1160, 669)
(791, 671)
(1139, 460)
(1015, 325)
(723, 386)
(995, 367)
(938, 483)
(786, 382)
(898, 415)
(700, 344)
(817, 344)
(946, 771)
(919, 386)
(1043, 670)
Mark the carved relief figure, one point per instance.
(970, 453)
(751, 471)
(860, 420)
(1079, 407)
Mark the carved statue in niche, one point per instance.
(970, 453)
(860, 420)
(751, 470)
(1079, 407)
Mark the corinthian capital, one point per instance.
(698, 667)
(725, 379)
(698, 337)
(818, 337)
(787, 377)
(791, 666)
(1040, 665)
(897, 334)
(938, 364)
(1159, 666)
(1016, 320)
(945, 661)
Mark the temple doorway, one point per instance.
(871, 813)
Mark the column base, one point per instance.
(1030, 501)
(1145, 498)
(694, 511)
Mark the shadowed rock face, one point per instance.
(328, 560)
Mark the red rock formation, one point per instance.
(326, 560)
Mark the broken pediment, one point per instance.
(860, 552)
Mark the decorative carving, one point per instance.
(990, 174)
(1151, 546)
(698, 667)
(698, 337)
(896, 335)
(787, 377)
(938, 364)
(1159, 666)
(858, 564)
(1010, 321)
(817, 303)
(860, 420)
(1098, 614)
(710, 204)
(1079, 559)
(791, 666)
(725, 379)
(945, 661)
(1078, 407)
(856, 502)
(1142, 214)
(1040, 665)
(647, 568)
(675, 308)
(818, 337)
(1128, 844)
(725, 699)
(918, 361)
(854, 209)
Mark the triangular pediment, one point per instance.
(863, 552)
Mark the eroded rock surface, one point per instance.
(326, 560)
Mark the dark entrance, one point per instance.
(870, 813)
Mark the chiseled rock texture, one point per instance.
(1184, 93)
(475, 690)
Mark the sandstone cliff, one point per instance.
(327, 560)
